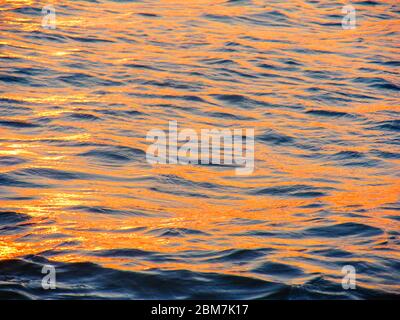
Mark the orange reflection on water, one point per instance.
(82, 206)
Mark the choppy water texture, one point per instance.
(75, 189)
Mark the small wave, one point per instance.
(279, 270)
(104, 210)
(386, 154)
(275, 138)
(389, 125)
(347, 229)
(9, 180)
(149, 15)
(379, 83)
(83, 117)
(240, 255)
(229, 116)
(11, 218)
(327, 113)
(302, 191)
(17, 124)
(11, 161)
(114, 154)
(175, 232)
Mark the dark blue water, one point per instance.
(76, 192)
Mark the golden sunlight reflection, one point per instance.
(77, 102)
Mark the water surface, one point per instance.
(76, 192)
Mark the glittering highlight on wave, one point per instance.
(84, 215)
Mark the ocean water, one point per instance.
(76, 192)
